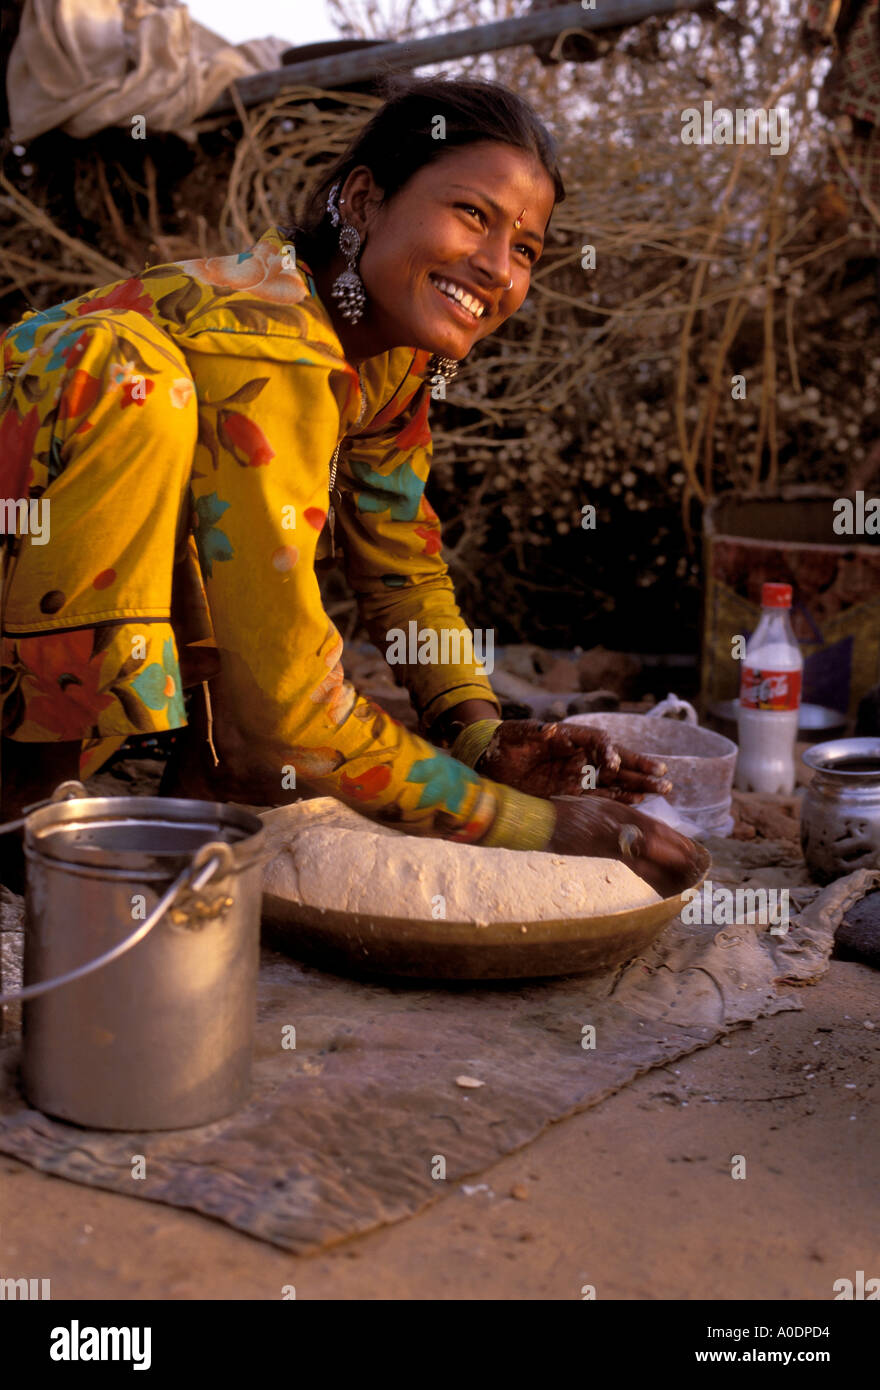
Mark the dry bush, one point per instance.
(612, 387)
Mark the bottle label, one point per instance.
(780, 690)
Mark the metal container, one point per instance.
(161, 1036)
(840, 819)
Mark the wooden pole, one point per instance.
(344, 68)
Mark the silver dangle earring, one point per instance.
(348, 288)
(445, 367)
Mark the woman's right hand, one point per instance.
(605, 829)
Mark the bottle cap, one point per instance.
(775, 595)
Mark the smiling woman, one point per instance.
(200, 429)
(449, 188)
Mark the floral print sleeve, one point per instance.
(394, 561)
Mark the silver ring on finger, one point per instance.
(628, 840)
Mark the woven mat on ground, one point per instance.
(344, 1133)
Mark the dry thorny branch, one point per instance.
(613, 385)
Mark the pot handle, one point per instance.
(65, 791)
(193, 878)
(672, 708)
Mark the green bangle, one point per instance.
(521, 822)
(472, 742)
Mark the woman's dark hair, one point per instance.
(401, 138)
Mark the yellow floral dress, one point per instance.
(170, 438)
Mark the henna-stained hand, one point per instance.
(598, 827)
(551, 760)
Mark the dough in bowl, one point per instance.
(394, 875)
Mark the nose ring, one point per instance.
(510, 286)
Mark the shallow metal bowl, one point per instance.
(350, 942)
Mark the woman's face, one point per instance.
(450, 231)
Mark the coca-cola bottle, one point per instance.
(769, 698)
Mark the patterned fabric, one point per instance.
(179, 425)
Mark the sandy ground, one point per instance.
(634, 1197)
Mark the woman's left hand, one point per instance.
(552, 760)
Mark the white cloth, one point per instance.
(82, 65)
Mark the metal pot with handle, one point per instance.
(159, 1037)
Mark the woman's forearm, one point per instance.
(445, 729)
